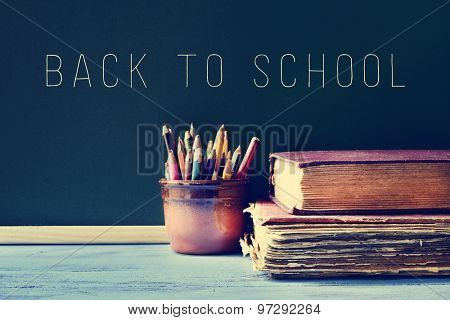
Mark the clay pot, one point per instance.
(203, 216)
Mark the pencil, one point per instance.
(223, 160)
(218, 144)
(172, 139)
(168, 138)
(225, 143)
(181, 157)
(210, 165)
(197, 143)
(227, 173)
(188, 166)
(248, 157)
(166, 171)
(173, 144)
(209, 148)
(235, 160)
(174, 174)
(192, 130)
(188, 141)
(197, 164)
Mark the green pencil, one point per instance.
(197, 164)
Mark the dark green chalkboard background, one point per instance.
(68, 155)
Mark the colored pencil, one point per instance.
(227, 170)
(218, 145)
(172, 139)
(225, 143)
(197, 143)
(168, 138)
(248, 157)
(223, 161)
(166, 171)
(181, 157)
(187, 161)
(210, 165)
(188, 140)
(174, 173)
(188, 165)
(192, 130)
(173, 144)
(209, 148)
(235, 160)
(197, 164)
(221, 166)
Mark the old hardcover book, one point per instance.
(354, 181)
(300, 246)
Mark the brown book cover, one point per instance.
(361, 181)
(317, 158)
(267, 212)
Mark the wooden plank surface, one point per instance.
(155, 272)
(83, 235)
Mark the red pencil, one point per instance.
(174, 173)
(181, 156)
(248, 158)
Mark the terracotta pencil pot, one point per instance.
(204, 216)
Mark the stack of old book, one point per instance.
(344, 213)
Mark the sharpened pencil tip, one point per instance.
(165, 129)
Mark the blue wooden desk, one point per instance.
(155, 272)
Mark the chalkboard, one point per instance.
(86, 154)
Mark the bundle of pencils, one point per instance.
(186, 159)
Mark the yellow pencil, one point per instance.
(227, 172)
(218, 145)
(225, 143)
